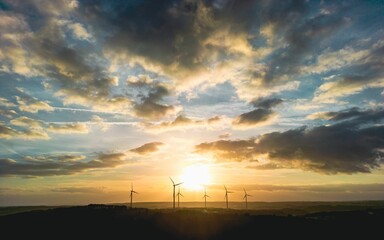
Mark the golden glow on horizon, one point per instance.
(195, 177)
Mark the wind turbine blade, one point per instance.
(181, 195)
(135, 192)
(229, 192)
(225, 188)
(172, 181)
(178, 184)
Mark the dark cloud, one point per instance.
(228, 150)
(147, 148)
(170, 33)
(302, 39)
(149, 96)
(58, 165)
(254, 117)
(261, 115)
(345, 147)
(183, 35)
(355, 115)
(266, 103)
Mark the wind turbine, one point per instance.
(132, 191)
(178, 197)
(226, 195)
(174, 185)
(246, 195)
(205, 198)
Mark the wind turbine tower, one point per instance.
(174, 186)
(132, 191)
(226, 195)
(178, 197)
(205, 198)
(246, 195)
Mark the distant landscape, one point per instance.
(275, 208)
(160, 221)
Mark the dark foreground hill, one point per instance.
(112, 222)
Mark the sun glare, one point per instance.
(195, 177)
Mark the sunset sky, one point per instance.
(282, 98)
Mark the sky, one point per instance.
(282, 98)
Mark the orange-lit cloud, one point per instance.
(147, 148)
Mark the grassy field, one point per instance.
(273, 208)
(355, 219)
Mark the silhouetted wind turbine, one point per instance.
(174, 185)
(226, 195)
(205, 198)
(178, 197)
(246, 195)
(132, 191)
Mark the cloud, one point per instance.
(47, 50)
(87, 190)
(27, 122)
(301, 39)
(331, 59)
(149, 97)
(57, 165)
(8, 132)
(225, 135)
(32, 105)
(13, 57)
(255, 117)
(262, 115)
(147, 148)
(35, 129)
(256, 45)
(100, 122)
(6, 103)
(355, 115)
(266, 103)
(182, 122)
(79, 31)
(228, 150)
(363, 74)
(350, 146)
(320, 188)
(7, 113)
(68, 128)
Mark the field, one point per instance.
(318, 219)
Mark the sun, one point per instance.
(195, 177)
